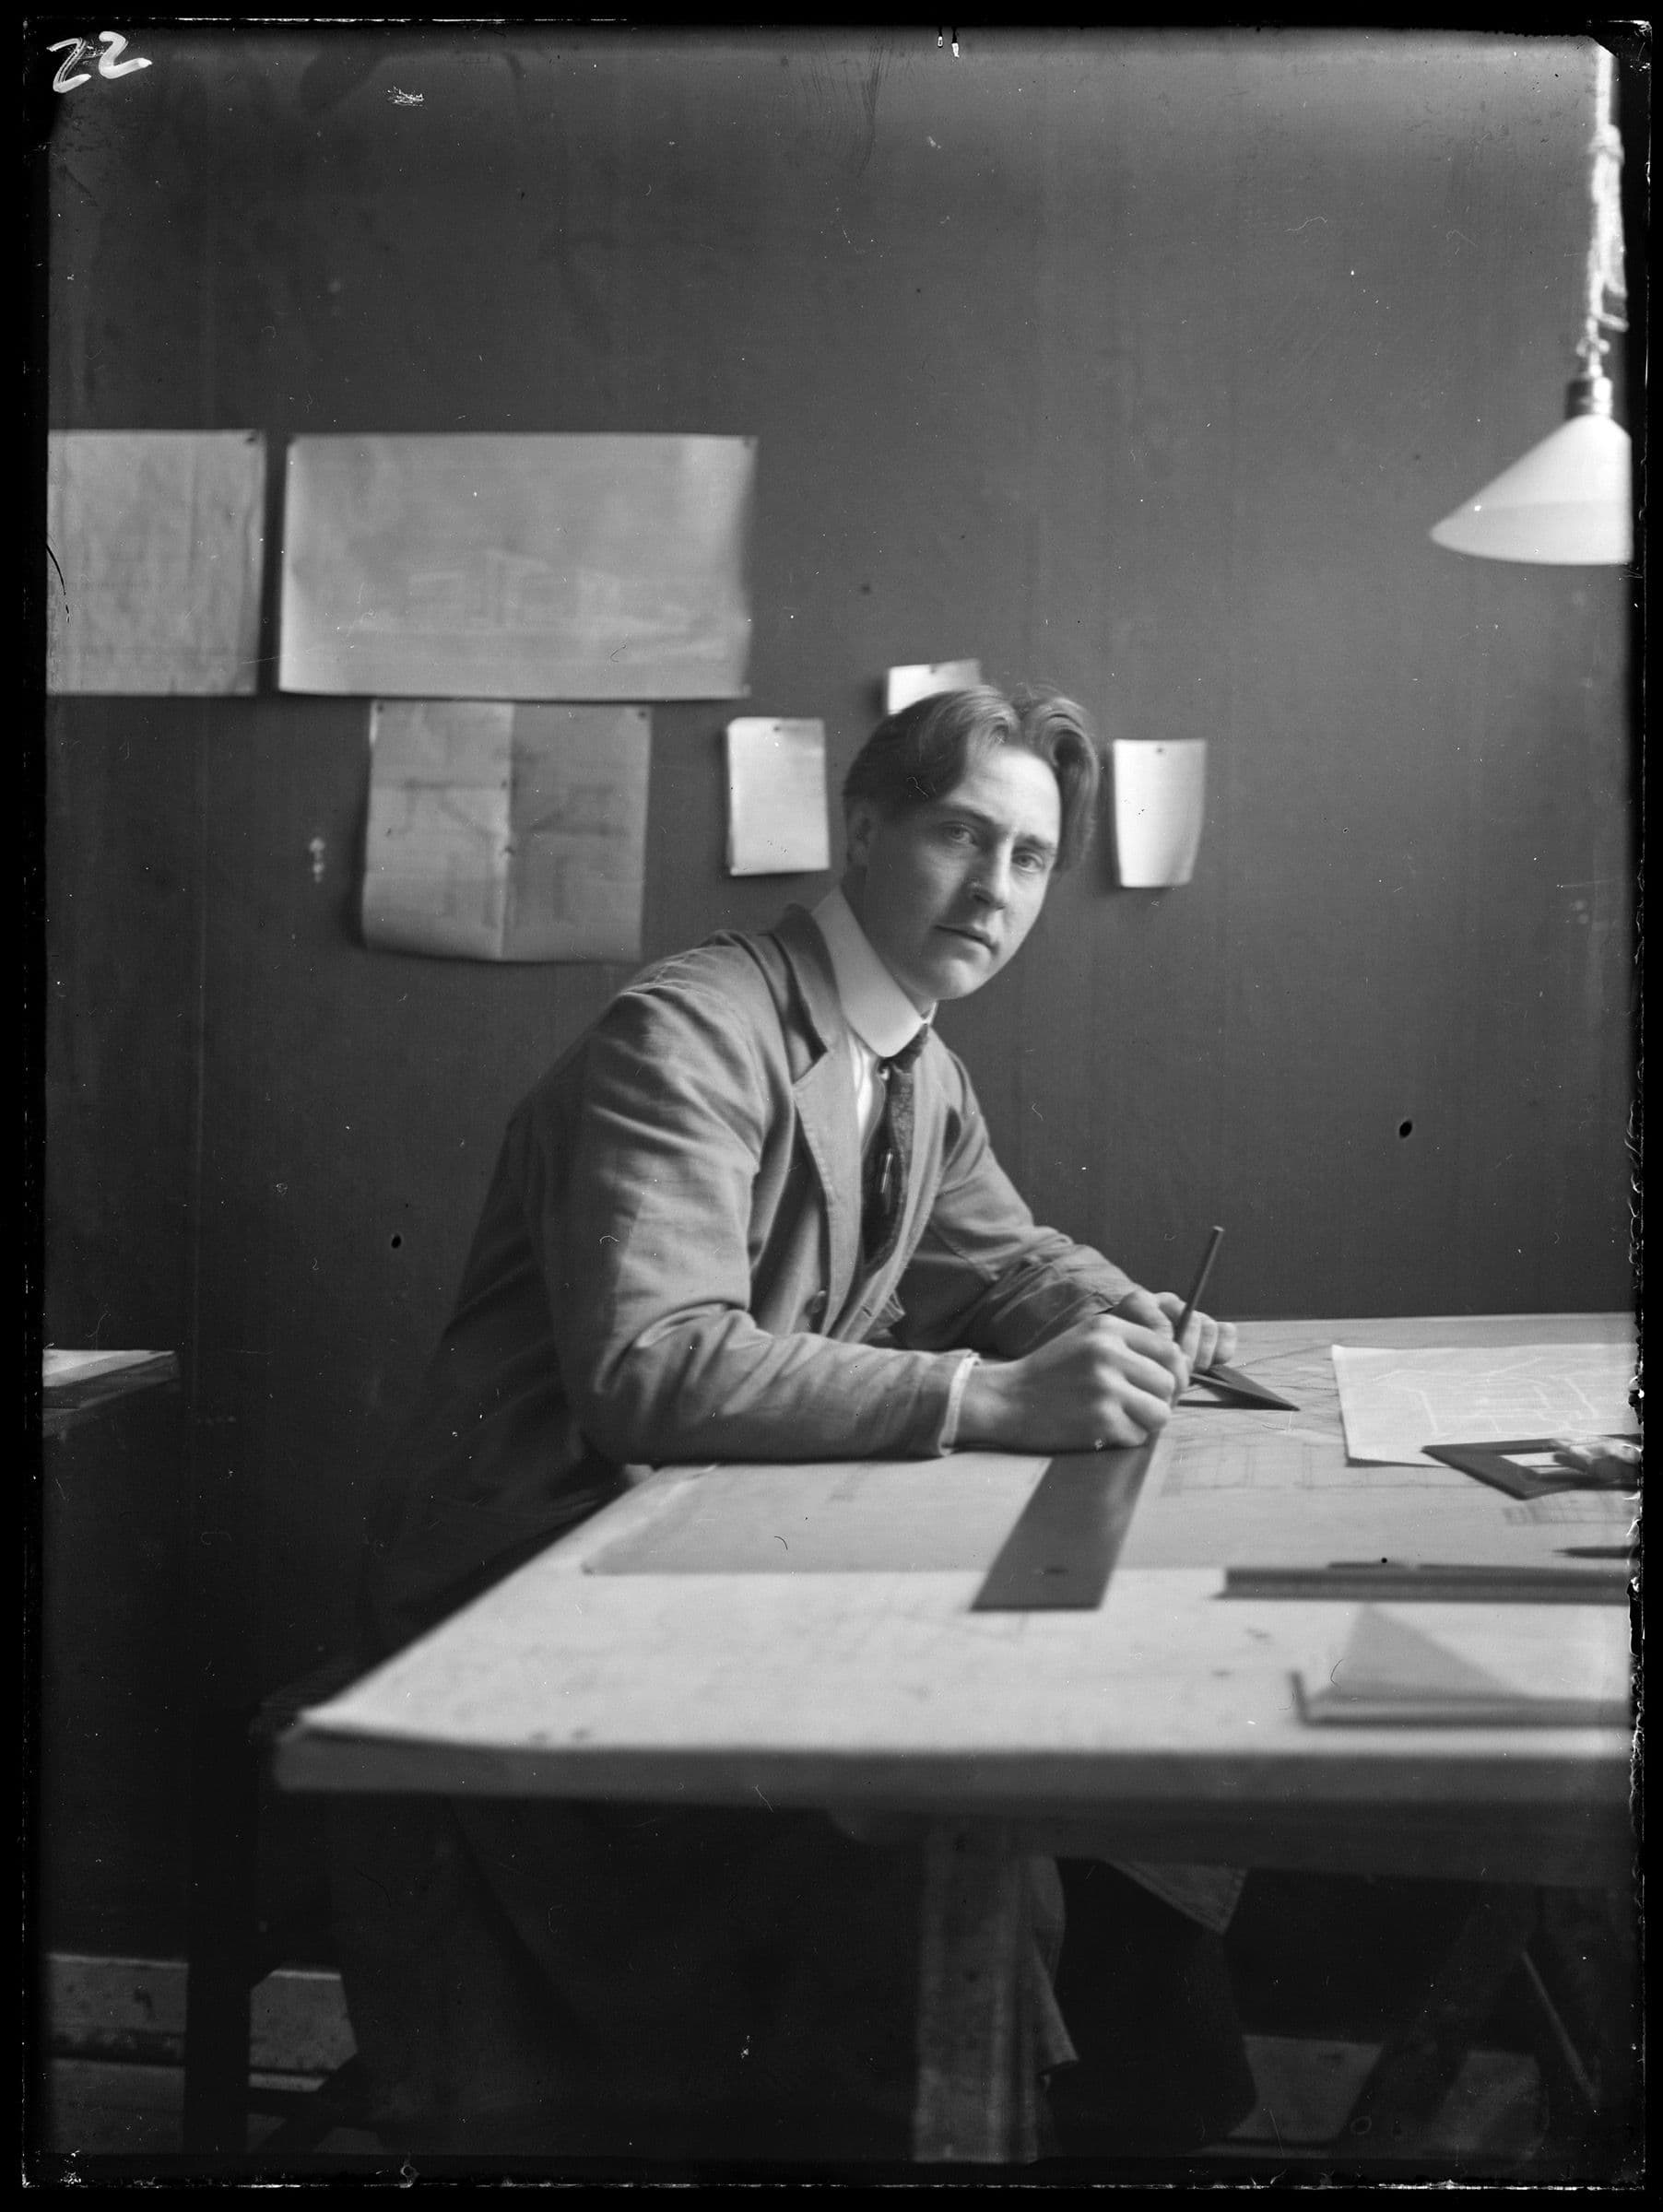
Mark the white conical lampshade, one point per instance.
(1567, 501)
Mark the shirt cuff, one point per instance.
(948, 1438)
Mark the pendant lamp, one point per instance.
(1569, 501)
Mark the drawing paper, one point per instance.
(501, 832)
(479, 566)
(158, 538)
(1393, 1402)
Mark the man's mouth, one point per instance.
(977, 936)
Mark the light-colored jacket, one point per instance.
(669, 1269)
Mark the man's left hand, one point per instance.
(1205, 1340)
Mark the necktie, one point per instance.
(883, 1182)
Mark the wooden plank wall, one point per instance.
(1140, 365)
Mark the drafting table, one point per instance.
(1158, 1727)
(76, 1384)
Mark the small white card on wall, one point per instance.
(920, 679)
(776, 797)
(1160, 798)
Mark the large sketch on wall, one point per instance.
(157, 537)
(479, 566)
(501, 832)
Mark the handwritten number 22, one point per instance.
(110, 63)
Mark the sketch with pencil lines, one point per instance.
(157, 539)
(481, 566)
(1565, 1507)
(1269, 1450)
(506, 832)
(1395, 1402)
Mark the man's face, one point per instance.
(947, 890)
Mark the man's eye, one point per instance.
(1034, 862)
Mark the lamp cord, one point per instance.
(1607, 278)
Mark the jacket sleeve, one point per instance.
(640, 1215)
(985, 1275)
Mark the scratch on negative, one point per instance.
(759, 1794)
(1295, 228)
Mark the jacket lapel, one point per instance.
(825, 1101)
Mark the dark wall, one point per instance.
(1141, 366)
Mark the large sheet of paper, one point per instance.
(502, 832)
(846, 1517)
(157, 537)
(494, 567)
(1395, 1402)
(776, 797)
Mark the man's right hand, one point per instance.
(1106, 1381)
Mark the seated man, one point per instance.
(754, 1213)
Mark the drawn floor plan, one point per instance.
(1395, 1402)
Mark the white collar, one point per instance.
(874, 1005)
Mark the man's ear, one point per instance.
(860, 818)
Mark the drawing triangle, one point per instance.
(1385, 1658)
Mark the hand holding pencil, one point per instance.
(1208, 1346)
(1203, 1341)
(1108, 1383)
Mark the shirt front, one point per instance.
(880, 1016)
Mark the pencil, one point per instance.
(1202, 1272)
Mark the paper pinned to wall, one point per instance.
(578, 817)
(479, 566)
(776, 797)
(1160, 800)
(919, 679)
(502, 832)
(157, 537)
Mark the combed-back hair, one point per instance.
(926, 750)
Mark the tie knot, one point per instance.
(903, 1062)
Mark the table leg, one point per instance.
(977, 2097)
(220, 1934)
(1583, 1973)
(1414, 2072)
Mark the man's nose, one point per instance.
(992, 885)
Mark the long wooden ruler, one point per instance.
(1062, 1551)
